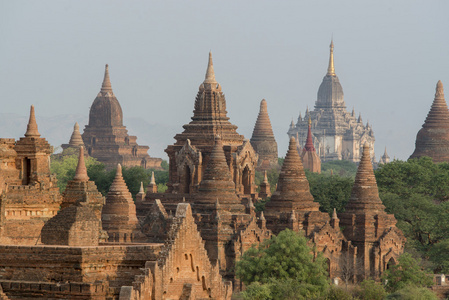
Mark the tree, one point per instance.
(370, 290)
(406, 272)
(286, 265)
(343, 168)
(412, 292)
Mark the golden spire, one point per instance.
(310, 121)
(330, 69)
(210, 74)
(32, 125)
(106, 86)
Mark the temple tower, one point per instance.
(310, 160)
(119, 213)
(433, 138)
(191, 151)
(78, 223)
(76, 139)
(384, 159)
(263, 140)
(336, 133)
(369, 228)
(107, 139)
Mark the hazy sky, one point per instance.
(389, 56)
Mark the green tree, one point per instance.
(284, 261)
(342, 168)
(406, 272)
(412, 292)
(257, 291)
(330, 191)
(64, 166)
(370, 290)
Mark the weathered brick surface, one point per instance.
(263, 140)
(433, 138)
(107, 139)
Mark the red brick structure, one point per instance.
(370, 229)
(30, 195)
(263, 140)
(432, 139)
(76, 261)
(107, 139)
(119, 213)
(370, 240)
(190, 153)
(310, 160)
(76, 139)
(265, 188)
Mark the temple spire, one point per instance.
(210, 74)
(32, 125)
(330, 69)
(152, 181)
(76, 140)
(81, 171)
(309, 142)
(106, 86)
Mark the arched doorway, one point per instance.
(187, 180)
(391, 262)
(246, 180)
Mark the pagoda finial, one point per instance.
(309, 141)
(152, 178)
(265, 177)
(32, 125)
(106, 86)
(141, 190)
(81, 171)
(439, 90)
(210, 74)
(334, 214)
(330, 69)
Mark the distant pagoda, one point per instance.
(107, 139)
(263, 140)
(432, 139)
(337, 134)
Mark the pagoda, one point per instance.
(432, 139)
(336, 133)
(263, 140)
(310, 160)
(105, 137)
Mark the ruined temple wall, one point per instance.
(116, 264)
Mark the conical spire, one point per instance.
(106, 86)
(32, 125)
(263, 128)
(292, 190)
(76, 140)
(217, 179)
(118, 185)
(265, 178)
(210, 74)
(438, 114)
(81, 170)
(309, 142)
(365, 195)
(141, 190)
(334, 214)
(330, 69)
(385, 152)
(152, 181)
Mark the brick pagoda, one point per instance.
(107, 139)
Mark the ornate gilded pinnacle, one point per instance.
(330, 69)
(32, 125)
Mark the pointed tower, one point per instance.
(293, 192)
(32, 131)
(433, 138)
(78, 223)
(191, 151)
(385, 159)
(265, 189)
(152, 186)
(338, 134)
(75, 140)
(217, 182)
(367, 225)
(311, 161)
(119, 213)
(107, 139)
(263, 140)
